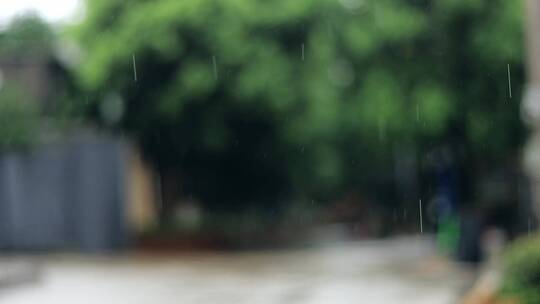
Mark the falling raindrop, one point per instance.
(1, 80)
(134, 68)
(214, 61)
(420, 210)
(509, 81)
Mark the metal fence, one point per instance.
(68, 195)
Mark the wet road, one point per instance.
(401, 270)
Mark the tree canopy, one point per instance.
(252, 100)
(27, 35)
(26, 39)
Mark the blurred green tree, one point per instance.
(26, 42)
(27, 36)
(252, 101)
(18, 120)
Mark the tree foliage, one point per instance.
(27, 36)
(18, 120)
(27, 39)
(254, 100)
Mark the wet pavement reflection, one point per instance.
(401, 270)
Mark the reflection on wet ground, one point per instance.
(403, 270)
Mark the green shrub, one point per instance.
(521, 271)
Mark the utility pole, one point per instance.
(531, 101)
